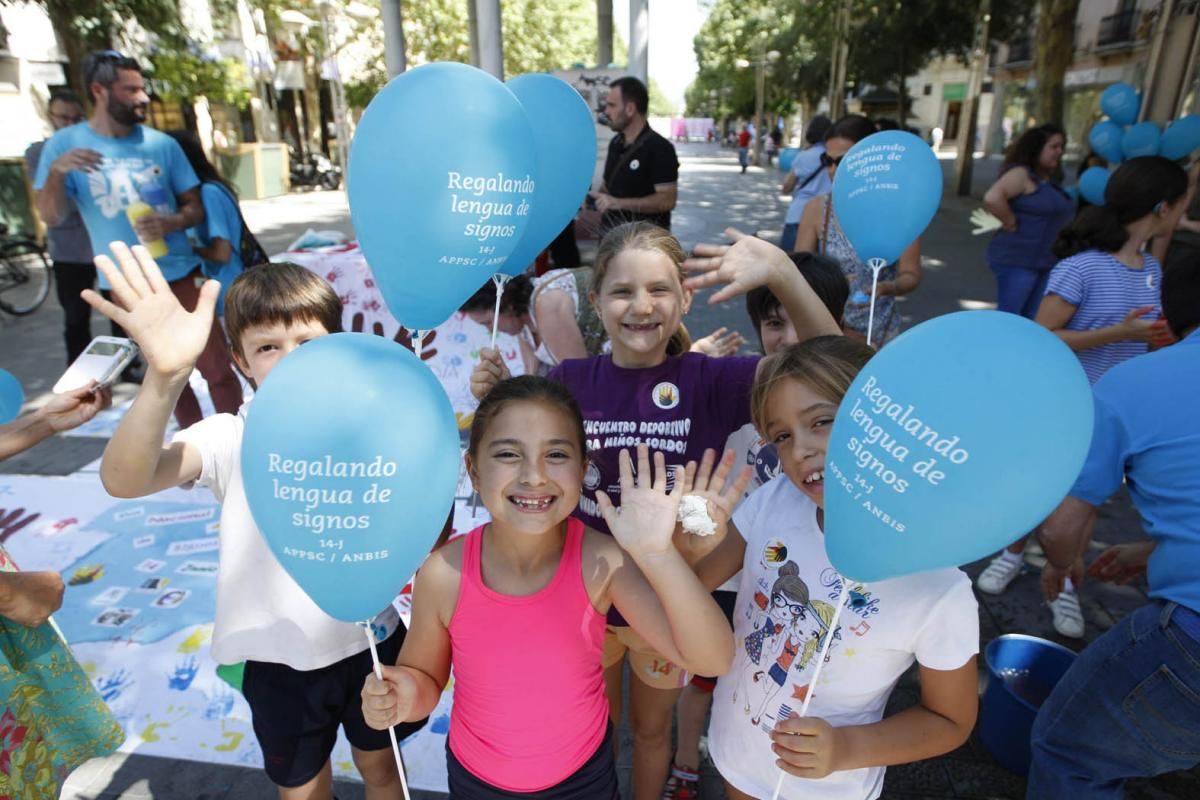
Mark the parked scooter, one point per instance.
(314, 169)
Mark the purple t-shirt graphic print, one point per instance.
(680, 407)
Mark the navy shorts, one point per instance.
(726, 600)
(595, 780)
(296, 714)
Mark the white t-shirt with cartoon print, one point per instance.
(786, 600)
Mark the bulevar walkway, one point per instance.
(713, 195)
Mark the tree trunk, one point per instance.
(77, 47)
(1055, 50)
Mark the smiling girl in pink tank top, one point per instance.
(518, 607)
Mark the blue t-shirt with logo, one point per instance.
(146, 165)
(1147, 433)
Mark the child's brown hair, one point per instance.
(827, 364)
(279, 292)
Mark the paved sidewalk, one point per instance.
(713, 195)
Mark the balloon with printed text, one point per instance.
(441, 183)
(1142, 139)
(1121, 103)
(1105, 138)
(885, 192)
(1092, 184)
(12, 396)
(1181, 138)
(944, 449)
(350, 461)
(564, 136)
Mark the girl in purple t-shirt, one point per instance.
(650, 390)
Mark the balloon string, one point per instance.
(418, 342)
(875, 264)
(500, 280)
(812, 684)
(366, 626)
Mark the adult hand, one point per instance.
(29, 598)
(746, 264)
(1053, 578)
(388, 702)
(171, 338)
(153, 227)
(72, 409)
(701, 480)
(490, 370)
(83, 159)
(605, 202)
(1121, 563)
(806, 746)
(645, 522)
(721, 342)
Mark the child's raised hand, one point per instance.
(490, 370)
(806, 746)
(388, 702)
(720, 343)
(645, 522)
(171, 337)
(703, 481)
(746, 264)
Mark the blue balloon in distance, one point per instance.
(786, 157)
(1121, 103)
(1092, 184)
(12, 397)
(950, 428)
(1142, 139)
(350, 462)
(1105, 138)
(441, 164)
(885, 192)
(1180, 138)
(564, 135)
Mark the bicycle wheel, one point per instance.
(25, 277)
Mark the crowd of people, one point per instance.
(582, 576)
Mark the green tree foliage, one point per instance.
(182, 76)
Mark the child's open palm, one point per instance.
(746, 264)
(645, 522)
(170, 336)
(703, 481)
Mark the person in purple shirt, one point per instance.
(651, 390)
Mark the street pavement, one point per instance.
(713, 195)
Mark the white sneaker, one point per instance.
(998, 575)
(1068, 617)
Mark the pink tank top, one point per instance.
(529, 703)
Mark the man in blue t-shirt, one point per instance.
(1129, 706)
(108, 163)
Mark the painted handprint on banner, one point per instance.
(184, 674)
(403, 336)
(16, 520)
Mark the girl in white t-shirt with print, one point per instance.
(786, 601)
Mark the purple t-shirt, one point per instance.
(682, 406)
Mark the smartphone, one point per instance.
(102, 362)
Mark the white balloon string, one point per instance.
(875, 264)
(417, 343)
(500, 280)
(366, 626)
(821, 656)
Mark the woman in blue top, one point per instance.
(219, 237)
(807, 178)
(1032, 209)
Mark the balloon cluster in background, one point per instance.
(1118, 138)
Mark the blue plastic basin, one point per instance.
(1022, 671)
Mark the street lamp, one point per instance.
(762, 62)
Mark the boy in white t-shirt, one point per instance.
(786, 601)
(303, 667)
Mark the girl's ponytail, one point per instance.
(1136, 189)
(680, 341)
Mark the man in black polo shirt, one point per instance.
(641, 171)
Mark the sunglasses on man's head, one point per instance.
(829, 161)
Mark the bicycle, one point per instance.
(25, 273)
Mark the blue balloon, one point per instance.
(12, 397)
(948, 447)
(1142, 139)
(441, 181)
(1180, 138)
(564, 136)
(1121, 102)
(1092, 184)
(1105, 138)
(786, 156)
(350, 461)
(886, 190)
